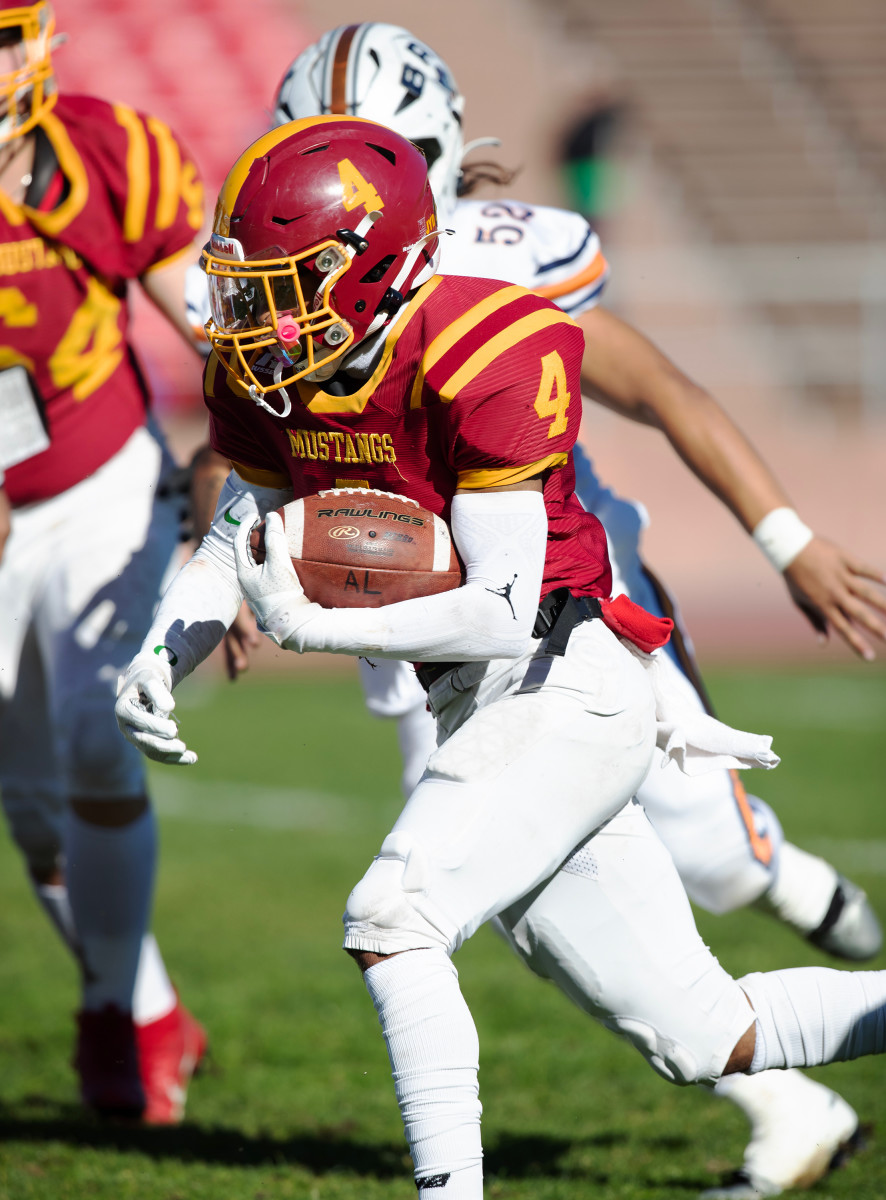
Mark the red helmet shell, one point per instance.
(304, 183)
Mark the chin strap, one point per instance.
(259, 399)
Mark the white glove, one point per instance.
(272, 589)
(144, 708)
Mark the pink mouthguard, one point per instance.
(288, 331)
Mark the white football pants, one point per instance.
(79, 580)
(536, 756)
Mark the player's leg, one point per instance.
(393, 691)
(594, 937)
(501, 799)
(113, 552)
(728, 845)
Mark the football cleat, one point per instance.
(794, 1149)
(106, 1059)
(169, 1051)
(850, 928)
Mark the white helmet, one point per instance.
(383, 73)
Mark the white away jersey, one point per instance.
(550, 251)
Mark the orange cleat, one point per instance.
(106, 1059)
(169, 1052)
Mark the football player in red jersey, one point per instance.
(727, 844)
(341, 359)
(92, 195)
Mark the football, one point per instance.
(359, 548)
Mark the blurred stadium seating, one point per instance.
(751, 243)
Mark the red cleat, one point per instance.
(106, 1060)
(169, 1051)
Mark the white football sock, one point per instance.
(803, 889)
(110, 875)
(434, 1053)
(759, 1096)
(417, 734)
(807, 1016)
(154, 995)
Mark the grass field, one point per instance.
(261, 843)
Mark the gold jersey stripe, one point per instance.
(363, 484)
(507, 476)
(271, 479)
(138, 171)
(74, 171)
(457, 330)
(212, 365)
(514, 334)
(552, 290)
(317, 401)
(170, 173)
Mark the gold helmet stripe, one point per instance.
(338, 102)
(230, 189)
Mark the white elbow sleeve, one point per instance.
(204, 598)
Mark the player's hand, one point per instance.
(272, 588)
(835, 590)
(239, 640)
(144, 711)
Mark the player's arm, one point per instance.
(164, 284)
(501, 535)
(209, 472)
(624, 371)
(198, 607)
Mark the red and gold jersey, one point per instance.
(116, 195)
(478, 386)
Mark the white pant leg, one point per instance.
(614, 931)
(92, 563)
(538, 753)
(31, 786)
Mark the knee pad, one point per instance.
(387, 911)
(674, 1062)
(36, 818)
(96, 759)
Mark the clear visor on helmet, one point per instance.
(271, 303)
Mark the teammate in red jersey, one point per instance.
(341, 359)
(92, 195)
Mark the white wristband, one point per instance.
(781, 535)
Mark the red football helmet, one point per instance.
(27, 84)
(321, 229)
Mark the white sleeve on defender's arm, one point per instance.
(203, 599)
(502, 539)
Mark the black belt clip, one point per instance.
(558, 615)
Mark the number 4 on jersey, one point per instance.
(553, 396)
(356, 190)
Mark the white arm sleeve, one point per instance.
(204, 598)
(502, 539)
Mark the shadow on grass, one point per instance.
(324, 1151)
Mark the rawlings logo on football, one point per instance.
(342, 532)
